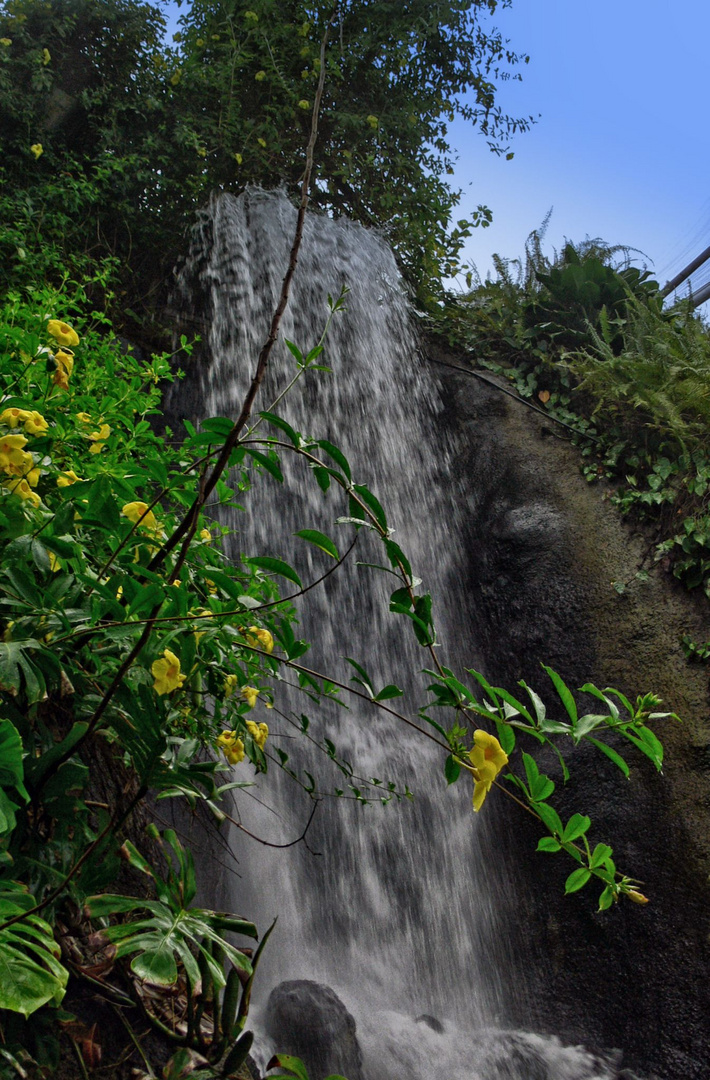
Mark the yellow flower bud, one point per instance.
(258, 732)
(46, 57)
(37, 149)
(250, 694)
(373, 121)
(230, 685)
(66, 479)
(637, 897)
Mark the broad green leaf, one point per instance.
(388, 692)
(577, 880)
(550, 817)
(599, 856)
(219, 425)
(275, 566)
(286, 1061)
(282, 425)
(548, 843)
(452, 769)
(320, 540)
(11, 767)
(31, 974)
(577, 825)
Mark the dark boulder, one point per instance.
(308, 1020)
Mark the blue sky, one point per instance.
(620, 149)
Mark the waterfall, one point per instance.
(394, 907)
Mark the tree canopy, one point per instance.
(135, 132)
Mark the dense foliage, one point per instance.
(131, 134)
(584, 335)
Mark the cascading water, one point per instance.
(394, 907)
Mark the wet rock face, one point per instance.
(308, 1020)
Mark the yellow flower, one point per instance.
(84, 418)
(231, 746)
(205, 536)
(16, 462)
(303, 104)
(258, 732)
(23, 489)
(66, 479)
(230, 685)
(103, 433)
(488, 758)
(200, 43)
(260, 639)
(64, 361)
(62, 332)
(46, 56)
(166, 671)
(261, 142)
(250, 693)
(260, 76)
(35, 423)
(251, 16)
(238, 158)
(139, 514)
(13, 417)
(175, 79)
(37, 149)
(8, 443)
(5, 41)
(373, 121)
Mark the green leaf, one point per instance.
(601, 853)
(452, 769)
(275, 566)
(564, 693)
(269, 461)
(320, 540)
(30, 972)
(577, 880)
(577, 825)
(388, 692)
(11, 768)
(282, 425)
(372, 504)
(506, 737)
(219, 425)
(550, 817)
(611, 754)
(286, 1061)
(548, 843)
(606, 899)
(337, 456)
